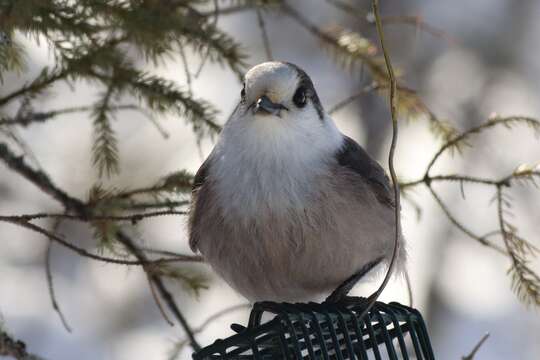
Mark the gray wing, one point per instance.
(354, 157)
(199, 199)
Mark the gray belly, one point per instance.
(299, 253)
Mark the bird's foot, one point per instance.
(340, 293)
(349, 301)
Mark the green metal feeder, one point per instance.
(326, 331)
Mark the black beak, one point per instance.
(266, 106)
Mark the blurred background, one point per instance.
(484, 61)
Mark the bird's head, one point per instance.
(279, 92)
(280, 116)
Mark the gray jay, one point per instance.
(286, 207)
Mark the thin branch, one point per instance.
(41, 180)
(134, 218)
(187, 72)
(345, 102)
(264, 34)
(451, 178)
(53, 237)
(481, 239)
(40, 117)
(154, 205)
(50, 283)
(84, 253)
(156, 300)
(476, 348)
(397, 207)
(32, 87)
(216, 14)
(12, 134)
(490, 124)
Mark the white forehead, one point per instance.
(271, 78)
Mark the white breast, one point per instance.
(268, 163)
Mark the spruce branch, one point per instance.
(11, 58)
(105, 144)
(77, 206)
(525, 282)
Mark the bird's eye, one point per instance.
(299, 97)
(243, 92)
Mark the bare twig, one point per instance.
(393, 110)
(133, 218)
(187, 72)
(41, 180)
(476, 348)
(50, 283)
(32, 87)
(40, 117)
(84, 253)
(156, 300)
(506, 121)
(481, 239)
(345, 102)
(215, 14)
(139, 205)
(264, 34)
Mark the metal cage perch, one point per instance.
(326, 331)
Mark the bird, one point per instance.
(285, 207)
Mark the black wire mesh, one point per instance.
(326, 331)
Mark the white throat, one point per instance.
(271, 163)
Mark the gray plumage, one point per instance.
(285, 207)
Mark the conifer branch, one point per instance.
(525, 282)
(71, 204)
(104, 146)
